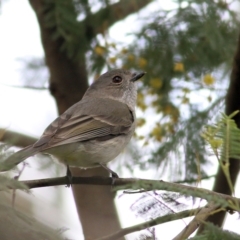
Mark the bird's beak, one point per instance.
(137, 76)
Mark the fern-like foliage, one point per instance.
(15, 224)
(61, 17)
(177, 47)
(224, 140)
(186, 148)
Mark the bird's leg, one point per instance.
(69, 177)
(113, 174)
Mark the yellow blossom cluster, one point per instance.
(140, 122)
(112, 60)
(130, 57)
(178, 67)
(156, 83)
(142, 62)
(208, 79)
(99, 50)
(140, 101)
(157, 132)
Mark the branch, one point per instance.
(25, 87)
(216, 200)
(151, 223)
(16, 139)
(209, 209)
(96, 23)
(132, 183)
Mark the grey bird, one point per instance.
(94, 130)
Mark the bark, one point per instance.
(95, 204)
(67, 84)
(68, 78)
(232, 104)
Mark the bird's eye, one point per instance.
(117, 79)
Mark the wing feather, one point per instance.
(80, 123)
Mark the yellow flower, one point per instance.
(156, 83)
(140, 101)
(130, 57)
(140, 96)
(168, 109)
(112, 60)
(140, 122)
(124, 51)
(178, 67)
(142, 105)
(208, 79)
(157, 133)
(99, 50)
(142, 62)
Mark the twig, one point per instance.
(135, 192)
(209, 209)
(25, 87)
(135, 184)
(151, 223)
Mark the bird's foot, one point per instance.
(69, 177)
(113, 174)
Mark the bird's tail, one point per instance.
(17, 157)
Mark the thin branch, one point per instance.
(136, 184)
(16, 139)
(209, 209)
(151, 223)
(25, 87)
(136, 191)
(96, 23)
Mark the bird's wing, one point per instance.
(106, 118)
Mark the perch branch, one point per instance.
(136, 184)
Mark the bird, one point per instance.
(94, 130)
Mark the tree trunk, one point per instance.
(68, 82)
